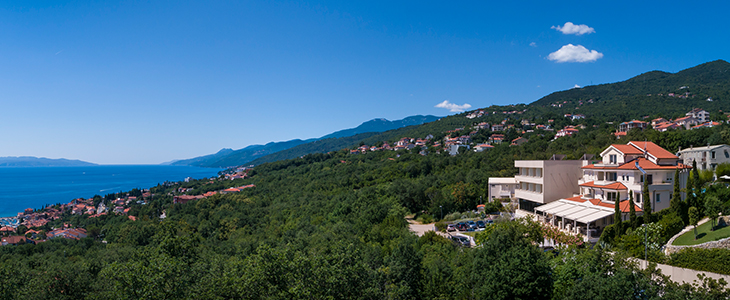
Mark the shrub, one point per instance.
(609, 234)
(425, 219)
(709, 260)
(440, 226)
(671, 224)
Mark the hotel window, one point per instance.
(611, 176)
(611, 196)
(612, 158)
(712, 154)
(657, 198)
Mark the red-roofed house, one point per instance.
(687, 122)
(7, 229)
(518, 141)
(68, 233)
(13, 240)
(621, 173)
(626, 126)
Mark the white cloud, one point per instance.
(570, 28)
(571, 53)
(576, 86)
(452, 107)
(533, 44)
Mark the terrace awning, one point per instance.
(581, 212)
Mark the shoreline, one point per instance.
(66, 183)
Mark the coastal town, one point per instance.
(33, 226)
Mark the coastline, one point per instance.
(36, 187)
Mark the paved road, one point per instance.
(421, 229)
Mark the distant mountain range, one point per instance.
(30, 161)
(227, 157)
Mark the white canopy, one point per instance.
(584, 212)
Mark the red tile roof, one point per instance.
(627, 149)
(623, 205)
(612, 186)
(643, 163)
(653, 149)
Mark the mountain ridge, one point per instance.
(32, 161)
(252, 152)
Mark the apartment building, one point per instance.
(543, 181)
(707, 157)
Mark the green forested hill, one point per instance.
(639, 96)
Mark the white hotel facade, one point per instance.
(579, 195)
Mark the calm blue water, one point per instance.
(21, 188)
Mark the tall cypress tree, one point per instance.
(675, 204)
(695, 185)
(647, 201)
(632, 211)
(617, 215)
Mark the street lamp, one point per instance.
(442, 212)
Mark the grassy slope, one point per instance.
(704, 235)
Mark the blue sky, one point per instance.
(140, 82)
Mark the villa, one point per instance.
(590, 206)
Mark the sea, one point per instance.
(35, 187)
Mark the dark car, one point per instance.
(481, 224)
(472, 225)
(461, 226)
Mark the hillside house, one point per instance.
(707, 157)
(482, 147)
(14, 240)
(626, 126)
(501, 188)
(687, 122)
(701, 115)
(518, 141)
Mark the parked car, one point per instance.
(451, 227)
(461, 226)
(472, 225)
(460, 240)
(481, 224)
